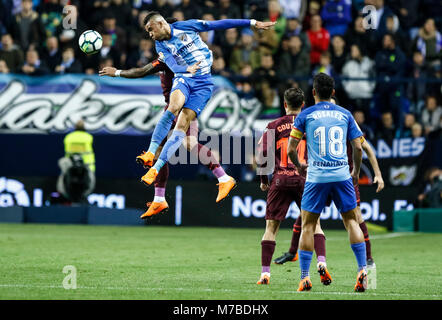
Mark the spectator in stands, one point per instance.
(358, 35)
(360, 93)
(51, 16)
(382, 13)
(107, 50)
(275, 15)
(360, 120)
(33, 66)
(11, 54)
(416, 90)
(27, 28)
(178, 15)
(319, 39)
(393, 28)
(162, 6)
(244, 83)
(122, 12)
(390, 64)
(68, 64)
(431, 191)
(405, 131)
(313, 10)
(407, 12)
(338, 53)
(336, 15)
(417, 130)
(227, 9)
(3, 67)
(429, 42)
(142, 56)
(118, 34)
(228, 42)
(245, 53)
(256, 9)
(294, 9)
(219, 68)
(68, 36)
(295, 61)
(51, 53)
(137, 32)
(189, 10)
(264, 81)
(294, 28)
(431, 115)
(325, 65)
(387, 129)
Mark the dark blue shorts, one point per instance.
(315, 196)
(197, 90)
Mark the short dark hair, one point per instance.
(150, 15)
(294, 97)
(323, 85)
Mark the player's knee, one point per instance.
(174, 108)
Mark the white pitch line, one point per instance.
(375, 237)
(221, 290)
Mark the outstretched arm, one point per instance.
(374, 164)
(150, 68)
(203, 25)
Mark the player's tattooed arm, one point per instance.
(133, 73)
(357, 159)
(293, 155)
(374, 164)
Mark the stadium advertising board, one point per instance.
(192, 203)
(53, 104)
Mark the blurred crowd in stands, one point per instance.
(396, 86)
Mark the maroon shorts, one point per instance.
(281, 195)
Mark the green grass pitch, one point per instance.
(201, 263)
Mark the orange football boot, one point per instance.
(361, 282)
(296, 257)
(145, 159)
(326, 278)
(265, 279)
(155, 208)
(224, 188)
(305, 284)
(150, 176)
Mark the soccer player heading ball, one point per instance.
(327, 128)
(181, 48)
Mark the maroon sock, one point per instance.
(267, 249)
(206, 157)
(320, 247)
(163, 175)
(295, 238)
(364, 229)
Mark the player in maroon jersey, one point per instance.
(159, 204)
(292, 253)
(287, 184)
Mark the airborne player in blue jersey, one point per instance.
(182, 49)
(327, 128)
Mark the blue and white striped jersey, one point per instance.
(185, 47)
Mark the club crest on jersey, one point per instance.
(161, 56)
(183, 37)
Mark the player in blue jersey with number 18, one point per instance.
(182, 49)
(327, 128)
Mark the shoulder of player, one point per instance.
(186, 25)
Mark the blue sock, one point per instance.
(305, 258)
(172, 145)
(161, 130)
(360, 253)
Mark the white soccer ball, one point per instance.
(90, 42)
